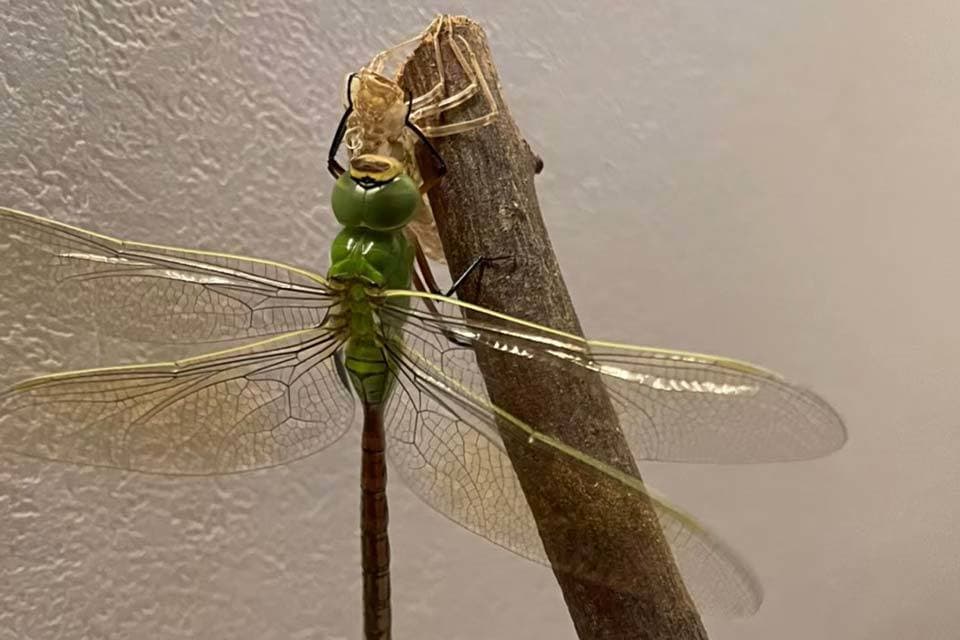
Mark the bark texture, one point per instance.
(618, 581)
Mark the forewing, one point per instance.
(245, 408)
(672, 405)
(149, 292)
(444, 441)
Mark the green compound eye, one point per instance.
(375, 194)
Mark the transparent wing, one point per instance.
(444, 442)
(245, 408)
(672, 405)
(149, 292)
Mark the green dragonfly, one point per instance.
(304, 349)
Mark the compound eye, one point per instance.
(392, 205)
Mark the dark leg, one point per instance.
(432, 287)
(479, 265)
(334, 167)
(424, 265)
(432, 308)
(418, 283)
(430, 282)
(431, 304)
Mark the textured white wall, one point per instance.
(776, 181)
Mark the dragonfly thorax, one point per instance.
(373, 201)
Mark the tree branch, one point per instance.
(487, 206)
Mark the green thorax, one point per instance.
(374, 201)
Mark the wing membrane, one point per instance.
(672, 405)
(444, 441)
(245, 408)
(154, 293)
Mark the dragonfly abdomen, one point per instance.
(375, 542)
(369, 372)
(364, 357)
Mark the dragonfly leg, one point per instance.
(432, 287)
(430, 282)
(334, 167)
(479, 265)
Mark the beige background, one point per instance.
(774, 180)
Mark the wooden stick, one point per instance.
(487, 206)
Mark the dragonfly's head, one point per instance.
(375, 193)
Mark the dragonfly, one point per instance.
(303, 351)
